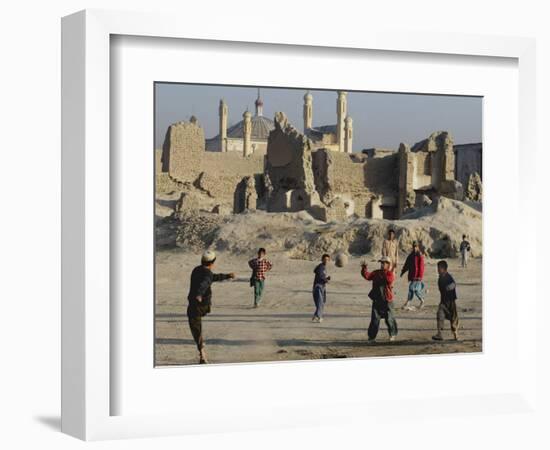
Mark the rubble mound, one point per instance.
(438, 228)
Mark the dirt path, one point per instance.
(281, 328)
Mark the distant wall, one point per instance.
(183, 150)
(422, 170)
(468, 159)
(222, 172)
(363, 183)
(158, 160)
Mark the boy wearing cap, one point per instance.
(200, 298)
(414, 265)
(382, 298)
(447, 306)
(260, 266)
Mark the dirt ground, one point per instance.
(281, 328)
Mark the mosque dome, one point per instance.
(261, 127)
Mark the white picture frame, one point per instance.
(88, 387)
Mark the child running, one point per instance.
(447, 306)
(414, 265)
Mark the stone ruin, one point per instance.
(182, 151)
(246, 196)
(288, 169)
(293, 176)
(426, 171)
(474, 188)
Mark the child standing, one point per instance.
(320, 288)
(381, 295)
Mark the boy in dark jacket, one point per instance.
(414, 265)
(447, 306)
(200, 298)
(320, 288)
(382, 298)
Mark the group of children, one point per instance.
(381, 293)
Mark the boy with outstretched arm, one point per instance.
(200, 298)
(381, 295)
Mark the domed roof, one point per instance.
(261, 126)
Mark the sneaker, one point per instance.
(437, 337)
(315, 319)
(202, 357)
(406, 306)
(371, 340)
(392, 338)
(320, 319)
(455, 335)
(421, 304)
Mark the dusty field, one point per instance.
(281, 328)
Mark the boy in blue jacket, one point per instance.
(320, 288)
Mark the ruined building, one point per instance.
(313, 171)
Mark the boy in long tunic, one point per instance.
(320, 288)
(200, 298)
(260, 266)
(390, 250)
(382, 298)
(447, 306)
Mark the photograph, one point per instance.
(298, 223)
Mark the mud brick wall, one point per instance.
(183, 150)
(220, 173)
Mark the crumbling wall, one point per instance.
(468, 160)
(381, 174)
(422, 176)
(406, 197)
(474, 188)
(288, 169)
(183, 150)
(246, 196)
(219, 173)
(427, 170)
(158, 160)
(355, 179)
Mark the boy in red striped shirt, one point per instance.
(260, 266)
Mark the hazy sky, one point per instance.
(379, 119)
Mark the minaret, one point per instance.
(223, 126)
(348, 128)
(247, 133)
(259, 105)
(308, 111)
(341, 111)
